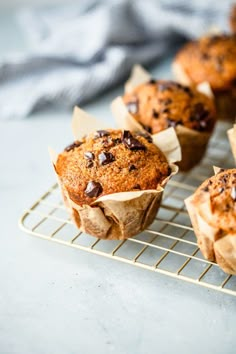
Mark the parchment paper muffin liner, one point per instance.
(232, 139)
(224, 100)
(118, 215)
(180, 75)
(213, 243)
(225, 105)
(193, 143)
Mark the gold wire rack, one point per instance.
(168, 246)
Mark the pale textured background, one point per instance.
(60, 300)
(12, 4)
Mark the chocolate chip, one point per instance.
(233, 193)
(187, 90)
(205, 189)
(132, 107)
(165, 110)
(199, 115)
(178, 85)
(130, 142)
(93, 189)
(221, 189)
(73, 145)
(155, 114)
(183, 88)
(200, 112)
(224, 178)
(132, 168)
(221, 170)
(227, 207)
(89, 155)
(152, 81)
(101, 133)
(146, 136)
(205, 56)
(147, 128)
(167, 101)
(117, 141)
(105, 158)
(136, 186)
(89, 164)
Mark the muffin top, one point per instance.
(110, 161)
(212, 59)
(159, 104)
(222, 192)
(232, 19)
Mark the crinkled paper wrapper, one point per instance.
(224, 100)
(212, 244)
(232, 139)
(118, 215)
(193, 143)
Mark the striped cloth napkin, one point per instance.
(80, 50)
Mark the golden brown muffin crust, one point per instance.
(222, 191)
(212, 59)
(160, 104)
(108, 162)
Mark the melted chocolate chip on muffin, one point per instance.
(74, 145)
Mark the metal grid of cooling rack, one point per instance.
(168, 246)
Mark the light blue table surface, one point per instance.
(55, 299)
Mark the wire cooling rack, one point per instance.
(168, 246)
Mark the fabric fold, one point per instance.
(80, 50)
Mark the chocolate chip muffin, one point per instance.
(212, 209)
(95, 171)
(232, 19)
(109, 162)
(212, 59)
(160, 104)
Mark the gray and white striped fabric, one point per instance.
(77, 51)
